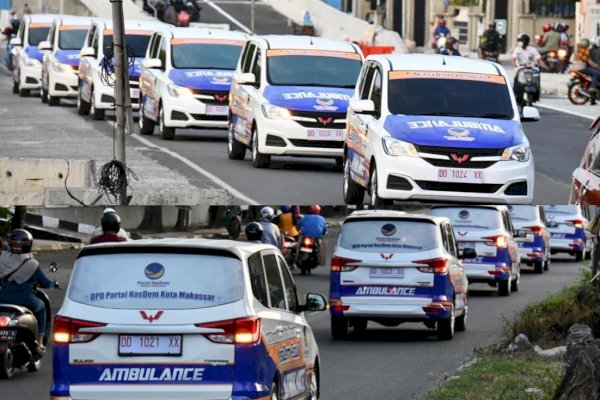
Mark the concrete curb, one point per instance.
(53, 245)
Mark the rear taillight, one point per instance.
(537, 230)
(307, 242)
(577, 223)
(499, 241)
(67, 330)
(434, 265)
(336, 305)
(235, 331)
(340, 264)
(437, 307)
(4, 320)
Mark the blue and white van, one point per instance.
(184, 319)
(566, 224)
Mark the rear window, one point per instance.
(149, 281)
(523, 213)
(473, 219)
(398, 236)
(562, 210)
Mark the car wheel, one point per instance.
(339, 328)
(461, 322)
(53, 101)
(6, 363)
(579, 256)
(83, 107)
(235, 149)
(274, 391)
(34, 366)
(588, 255)
(146, 125)
(360, 325)
(339, 161)
(166, 133)
(15, 88)
(504, 287)
(445, 327)
(353, 192)
(94, 112)
(514, 285)
(23, 92)
(259, 160)
(314, 384)
(44, 95)
(547, 264)
(538, 267)
(376, 201)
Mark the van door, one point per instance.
(245, 98)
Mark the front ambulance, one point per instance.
(30, 57)
(63, 71)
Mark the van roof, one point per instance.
(73, 20)
(436, 62)
(206, 33)
(306, 43)
(394, 214)
(41, 18)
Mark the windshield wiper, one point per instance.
(492, 115)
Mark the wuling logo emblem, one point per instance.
(151, 318)
(461, 159)
(386, 257)
(461, 233)
(221, 98)
(325, 120)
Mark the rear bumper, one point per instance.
(486, 273)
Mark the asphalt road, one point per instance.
(385, 363)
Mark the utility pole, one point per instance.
(252, 16)
(121, 85)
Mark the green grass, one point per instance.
(497, 376)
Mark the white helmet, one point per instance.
(596, 41)
(267, 213)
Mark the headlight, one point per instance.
(398, 148)
(523, 77)
(32, 62)
(520, 153)
(274, 112)
(562, 53)
(179, 91)
(59, 67)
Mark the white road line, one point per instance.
(562, 110)
(228, 16)
(218, 181)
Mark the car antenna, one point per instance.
(311, 41)
(443, 60)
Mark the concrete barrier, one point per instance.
(332, 23)
(103, 9)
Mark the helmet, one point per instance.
(254, 231)
(450, 41)
(110, 222)
(20, 241)
(564, 26)
(442, 22)
(524, 38)
(585, 43)
(546, 27)
(267, 213)
(314, 209)
(596, 41)
(286, 208)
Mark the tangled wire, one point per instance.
(114, 178)
(107, 64)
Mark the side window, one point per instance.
(362, 79)
(52, 34)
(95, 40)
(507, 224)
(247, 61)
(276, 292)
(452, 247)
(155, 46)
(256, 65)
(376, 92)
(90, 36)
(542, 215)
(257, 279)
(162, 52)
(445, 239)
(290, 287)
(21, 32)
(367, 84)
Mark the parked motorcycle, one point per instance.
(18, 335)
(527, 88)
(308, 257)
(578, 89)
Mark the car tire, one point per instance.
(360, 325)
(44, 95)
(96, 114)
(579, 256)
(339, 328)
(353, 193)
(376, 201)
(166, 133)
(446, 327)
(315, 388)
(504, 288)
(538, 267)
(461, 322)
(259, 160)
(235, 149)
(588, 255)
(145, 124)
(514, 285)
(83, 107)
(274, 391)
(339, 162)
(53, 101)
(6, 363)
(15, 87)
(23, 92)
(547, 264)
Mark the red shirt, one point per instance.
(107, 237)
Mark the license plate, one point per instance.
(306, 249)
(465, 245)
(155, 345)
(134, 93)
(7, 335)
(460, 175)
(325, 134)
(559, 235)
(382, 272)
(217, 110)
(551, 59)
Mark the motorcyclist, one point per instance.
(99, 231)
(441, 30)
(565, 41)
(582, 62)
(595, 50)
(19, 272)
(271, 233)
(524, 54)
(550, 39)
(312, 224)
(287, 222)
(489, 41)
(111, 225)
(448, 49)
(254, 232)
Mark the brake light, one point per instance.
(235, 331)
(307, 242)
(577, 223)
(4, 320)
(436, 307)
(499, 241)
(67, 330)
(537, 230)
(434, 265)
(339, 264)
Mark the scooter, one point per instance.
(527, 85)
(489, 55)
(308, 257)
(290, 250)
(19, 333)
(578, 89)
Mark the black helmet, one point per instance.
(22, 239)
(111, 222)
(525, 39)
(254, 231)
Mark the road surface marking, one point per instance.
(562, 110)
(228, 16)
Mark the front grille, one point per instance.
(220, 98)
(275, 141)
(321, 120)
(398, 183)
(324, 144)
(204, 117)
(459, 187)
(459, 153)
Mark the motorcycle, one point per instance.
(290, 250)
(233, 223)
(308, 257)
(490, 55)
(552, 61)
(527, 86)
(578, 89)
(18, 335)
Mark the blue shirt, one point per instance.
(313, 225)
(441, 30)
(14, 293)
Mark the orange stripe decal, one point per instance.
(226, 42)
(463, 76)
(40, 25)
(131, 32)
(313, 53)
(73, 27)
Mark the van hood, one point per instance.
(70, 57)
(309, 98)
(455, 131)
(34, 52)
(202, 79)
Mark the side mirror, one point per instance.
(244, 78)
(530, 114)
(45, 45)
(362, 106)
(153, 63)
(520, 233)
(15, 42)
(315, 302)
(53, 267)
(87, 52)
(468, 253)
